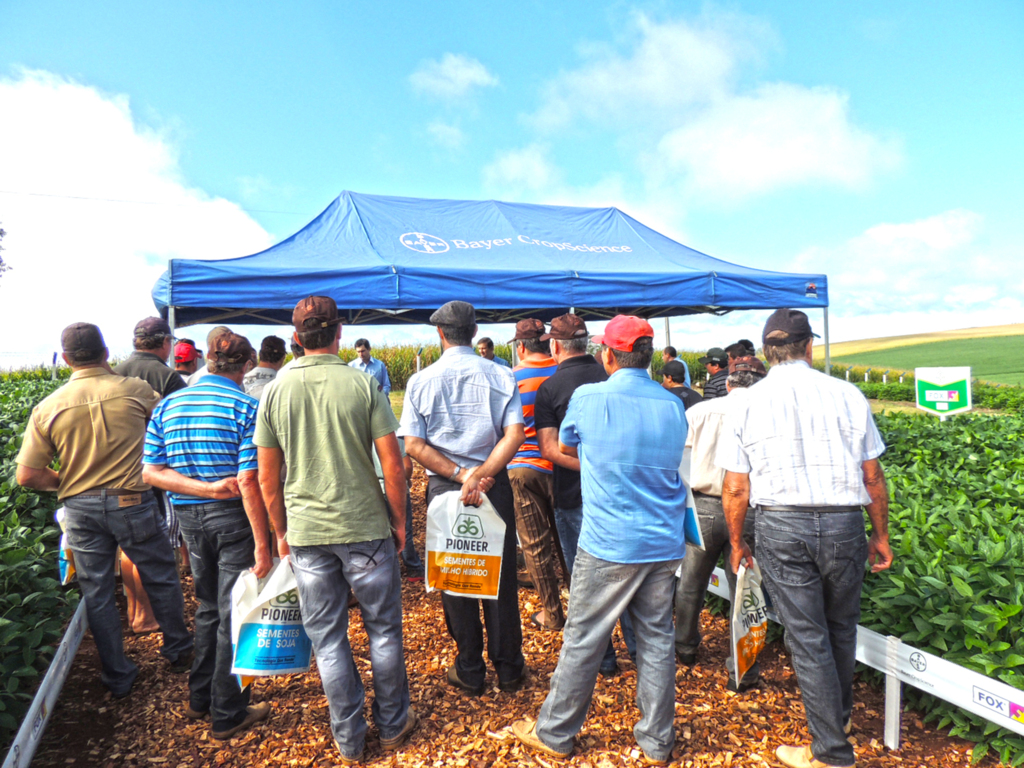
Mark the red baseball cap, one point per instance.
(185, 352)
(622, 332)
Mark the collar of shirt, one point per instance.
(307, 360)
(455, 351)
(224, 381)
(635, 373)
(359, 361)
(578, 360)
(88, 373)
(140, 353)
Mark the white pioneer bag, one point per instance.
(749, 619)
(464, 547)
(266, 625)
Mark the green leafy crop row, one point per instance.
(33, 605)
(957, 583)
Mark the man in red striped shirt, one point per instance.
(531, 478)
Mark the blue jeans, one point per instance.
(697, 568)
(813, 568)
(601, 591)
(569, 523)
(220, 546)
(324, 575)
(96, 526)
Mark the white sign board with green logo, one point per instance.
(943, 391)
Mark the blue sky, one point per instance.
(876, 142)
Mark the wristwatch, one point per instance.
(455, 473)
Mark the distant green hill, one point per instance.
(998, 359)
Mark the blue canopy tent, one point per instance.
(396, 259)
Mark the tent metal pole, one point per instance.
(668, 334)
(170, 321)
(828, 352)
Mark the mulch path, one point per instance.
(714, 727)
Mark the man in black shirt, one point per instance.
(149, 360)
(673, 375)
(717, 363)
(568, 339)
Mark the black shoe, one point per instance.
(686, 659)
(745, 684)
(456, 681)
(514, 685)
(184, 662)
(609, 671)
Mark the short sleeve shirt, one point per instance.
(461, 405)
(324, 416)
(803, 438)
(629, 432)
(204, 432)
(96, 425)
(549, 409)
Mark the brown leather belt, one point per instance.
(108, 492)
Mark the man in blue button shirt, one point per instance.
(371, 365)
(628, 433)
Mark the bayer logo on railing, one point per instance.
(424, 243)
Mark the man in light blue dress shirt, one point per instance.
(371, 365)
(628, 433)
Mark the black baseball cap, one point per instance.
(793, 325)
(82, 340)
(676, 370)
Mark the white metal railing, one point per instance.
(901, 663)
(23, 748)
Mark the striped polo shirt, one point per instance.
(204, 432)
(530, 374)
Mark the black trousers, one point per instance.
(501, 616)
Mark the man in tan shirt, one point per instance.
(705, 420)
(96, 426)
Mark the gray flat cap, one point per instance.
(454, 313)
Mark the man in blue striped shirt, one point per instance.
(199, 448)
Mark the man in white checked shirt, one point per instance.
(805, 453)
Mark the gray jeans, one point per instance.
(96, 526)
(697, 569)
(813, 568)
(324, 575)
(601, 591)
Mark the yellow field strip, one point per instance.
(888, 342)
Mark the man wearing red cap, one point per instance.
(805, 452)
(628, 434)
(186, 358)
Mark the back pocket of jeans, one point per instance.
(787, 561)
(849, 557)
(142, 522)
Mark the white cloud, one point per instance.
(781, 135)
(684, 94)
(671, 67)
(897, 278)
(445, 135)
(451, 78)
(67, 151)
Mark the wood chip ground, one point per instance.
(714, 727)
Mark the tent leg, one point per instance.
(170, 321)
(668, 334)
(828, 352)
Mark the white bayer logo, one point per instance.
(418, 241)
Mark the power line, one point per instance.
(137, 202)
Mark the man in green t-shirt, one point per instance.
(323, 419)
